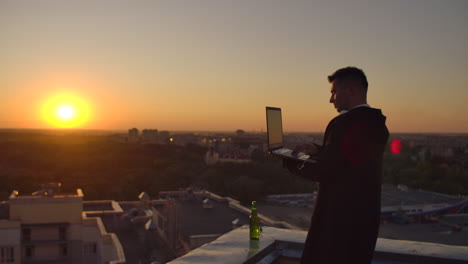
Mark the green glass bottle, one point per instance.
(254, 222)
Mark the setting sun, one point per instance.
(65, 111)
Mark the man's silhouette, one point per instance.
(346, 216)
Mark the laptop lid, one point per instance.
(274, 128)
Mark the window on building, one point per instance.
(62, 233)
(29, 251)
(90, 249)
(7, 255)
(26, 234)
(64, 250)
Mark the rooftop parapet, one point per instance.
(235, 247)
(15, 195)
(40, 209)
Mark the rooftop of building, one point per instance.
(440, 233)
(404, 195)
(39, 196)
(46, 192)
(196, 218)
(199, 216)
(441, 230)
(138, 246)
(400, 195)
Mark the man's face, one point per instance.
(340, 93)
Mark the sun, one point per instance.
(65, 111)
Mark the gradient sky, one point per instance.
(215, 65)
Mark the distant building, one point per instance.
(247, 143)
(149, 135)
(133, 135)
(50, 227)
(211, 157)
(186, 139)
(235, 158)
(442, 152)
(164, 137)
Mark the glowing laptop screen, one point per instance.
(274, 127)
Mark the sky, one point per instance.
(215, 65)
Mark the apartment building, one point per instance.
(50, 227)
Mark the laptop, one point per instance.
(275, 136)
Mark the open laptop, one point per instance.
(275, 136)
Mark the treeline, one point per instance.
(106, 169)
(417, 168)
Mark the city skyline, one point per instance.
(215, 65)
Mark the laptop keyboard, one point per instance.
(288, 152)
(282, 151)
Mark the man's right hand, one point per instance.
(309, 149)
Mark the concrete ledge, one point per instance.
(110, 241)
(235, 247)
(119, 253)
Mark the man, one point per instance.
(345, 222)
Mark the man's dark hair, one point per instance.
(350, 74)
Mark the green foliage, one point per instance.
(407, 167)
(106, 169)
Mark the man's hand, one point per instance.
(309, 149)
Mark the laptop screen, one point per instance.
(274, 127)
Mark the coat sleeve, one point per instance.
(343, 149)
(329, 161)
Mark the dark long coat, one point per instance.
(346, 216)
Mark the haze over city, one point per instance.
(215, 65)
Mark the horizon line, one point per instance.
(210, 131)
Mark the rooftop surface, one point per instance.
(440, 232)
(236, 247)
(97, 206)
(196, 220)
(138, 245)
(395, 196)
